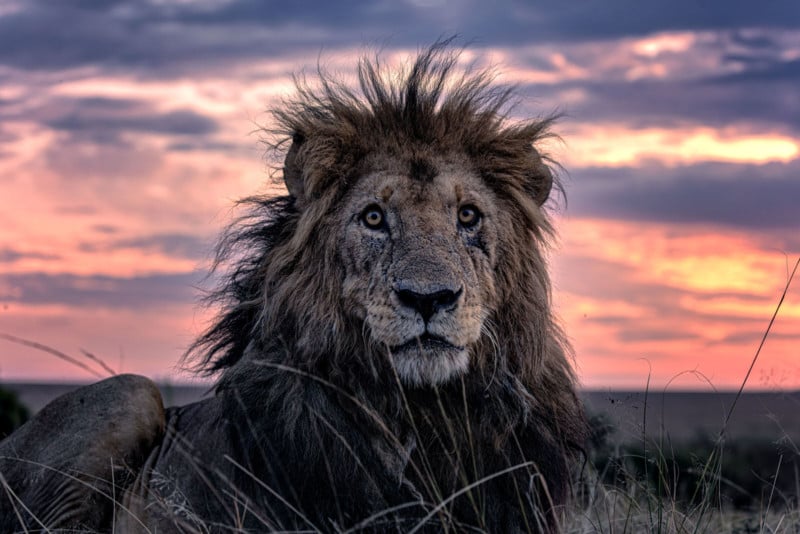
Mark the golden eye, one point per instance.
(468, 216)
(372, 216)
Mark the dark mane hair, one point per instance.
(244, 248)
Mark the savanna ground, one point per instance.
(659, 478)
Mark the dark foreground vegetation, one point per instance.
(705, 484)
(12, 412)
(745, 474)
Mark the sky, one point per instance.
(129, 128)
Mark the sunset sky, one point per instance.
(129, 128)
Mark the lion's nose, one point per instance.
(427, 304)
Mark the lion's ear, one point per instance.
(292, 173)
(539, 181)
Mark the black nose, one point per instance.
(428, 303)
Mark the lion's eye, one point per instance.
(373, 217)
(469, 216)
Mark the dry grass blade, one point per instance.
(16, 500)
(760, 346)
(99, 362)
(79, 481)
(50, 350)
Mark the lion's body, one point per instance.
(387, 351)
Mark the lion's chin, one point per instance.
(429, 361)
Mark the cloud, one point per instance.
(156, 37)
(143, 292)
(737, 195)
(183, 122)
(74, 36)
(618, 18)
(670, 103)
(748, 337)
(611, 294)
(166, 40)
(227, 148)
(75, 210)
(642, 334)
(763, 70)
(170, 245)
(107, 117)
(107, 163)
(105, 228)
(717, 79)
(11, 255)
(5, 135)
(618, 146)
(163, 36)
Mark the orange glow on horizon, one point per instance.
(699, 301)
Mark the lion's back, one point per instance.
(63, 468)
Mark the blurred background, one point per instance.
(129, 128)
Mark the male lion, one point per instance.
(388, 357)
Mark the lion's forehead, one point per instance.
(442, 183)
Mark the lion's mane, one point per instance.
(298, 364)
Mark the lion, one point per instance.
(386, 351)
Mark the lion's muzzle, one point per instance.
(429, 302)
(430, 346)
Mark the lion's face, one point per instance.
(418, 245)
